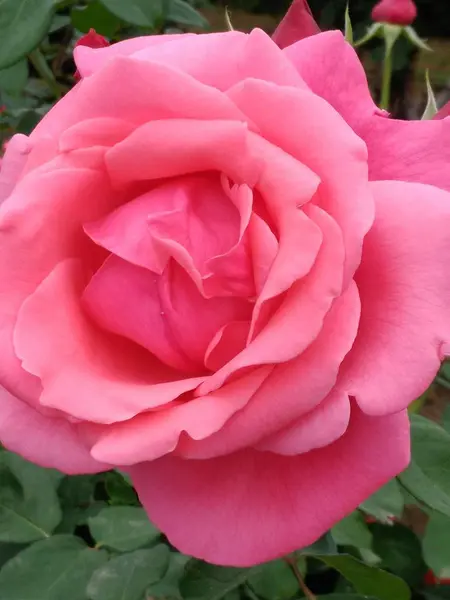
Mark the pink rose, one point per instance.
(199, 283)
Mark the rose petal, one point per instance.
(90, 60)
(221, 60)
(341, 163)
(13, 163)
(401, 150)
(151, 435)
(297, 24)
(168, 148)
(37, 230)
(160, 312)
(49, 442)
(318, 428)
(227, 510)
(136, 92)
(405, 294)
(85, 373)
(292, 390)
(302, 310)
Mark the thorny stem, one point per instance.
(305, 589)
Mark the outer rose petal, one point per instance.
(292, 390)
(141, 92)
(297, 23)
(50, 442)
(402, 150)
(318, 428)
(13, 163)
(341, 163)
(404, 285)
(85, 372)
(233, 510)
(223, 59)
(37, 230)
(444, 112)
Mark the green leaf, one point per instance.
(386, 503)
(123, 528)
(416, 40)
(52, 569)
(274, 581)
(345, 597)
(373, 31)
(78, 490)
(14, 78)
(436, 543)
(127, 577)
(367, 580)
(446, 419)
(352, 531)
(324, 545)
(142, 13)
(428, 476)
(169, 586)
(431, 108)
(400, 551)
(29, 505)
(348, 25)
(23, 24)
(183, 13)
(95, 15)
(8, 551)
(440, 592)
(58, 22)
(120, 492)
(209, 582)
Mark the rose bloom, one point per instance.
(225, 271)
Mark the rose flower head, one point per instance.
(226, 273)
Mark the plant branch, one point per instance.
(301, 582)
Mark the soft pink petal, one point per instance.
(50, 442)
(417, 151)
(151, 435)
(102, 131)
(297, 24)
(173, 147)
(89, 60)
(226, 344)
(165, 313)
(401, 150)
(332, 69)
(13, 163)
(136, 92)
(223, 59)
(340, 163)
(404, 285)
(264, 249)
(37, 230)
(251, 507)
(444, 112)
(84, 372)
(322, 426)
(292, 390)
(170, 220)
(302, 310)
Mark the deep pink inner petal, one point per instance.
(164, 313)
(200, 220)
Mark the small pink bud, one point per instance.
(395, 12)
